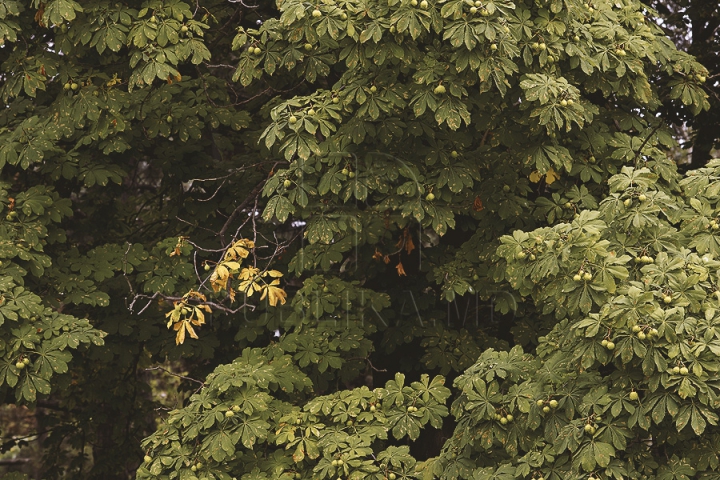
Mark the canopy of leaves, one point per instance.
(693, 26)
(384, 239)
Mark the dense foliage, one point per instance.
(693, 26)
(369, 238)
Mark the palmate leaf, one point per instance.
(181, 327)
(219, 278)
(9, 374)
(504, 472)
(30, 386)
(274, 294)
(50, 361)
(403, 424)
(239, 250)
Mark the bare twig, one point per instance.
(175, 374)
(367, 359)
(216, 192)
(237, 232)
(232, 172)
(203, 249)
(195, 226)
(14, 461)
(221, 65)
(252, 196)
(253, 214)
(147, 305)
(169, 298)
(125, 262)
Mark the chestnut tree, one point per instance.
(348, 239)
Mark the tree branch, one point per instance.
(251, 197)
(175, 374)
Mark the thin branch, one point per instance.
(214, 194)
(253, 214)
(239, 12)
(195, 226)
(203, 249)
(195, 266)
(367, 359)
(248, 100)
(484, 138)
(175, 374)
(125, 263)
(252, 196)
(237, 232)
(150, 301)
(232, 172)
(14, 461)
(645, 141)
(220, 65)
(13, 440)
(215, 305)
(280, 247)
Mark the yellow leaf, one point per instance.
(180, 337)
(232, 265)
(248, 272)
(274, 294)
(248, 287)
(551, 176)
(273, 273)
(200, 316)
(222, 272)
(234, 253)
(181, 327)
(245, 243)
(535, 176)
(190, 329)
(239, 249)
(219, 278)
(174, 314)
